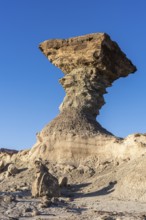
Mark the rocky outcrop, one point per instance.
(44, 183)
(8, 151)
(91, 63)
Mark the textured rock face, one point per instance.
(44, 183)
(91, 63)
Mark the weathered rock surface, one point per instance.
(63, 181)
(91, 63)
(12, 170)
(44, 183)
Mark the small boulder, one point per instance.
(9, 198)
(63, 182)
(12, 170)
(44, 184)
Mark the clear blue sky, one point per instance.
(29, 90)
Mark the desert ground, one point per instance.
(94, 191)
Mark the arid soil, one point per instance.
(94, 191)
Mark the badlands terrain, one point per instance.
(77, 169)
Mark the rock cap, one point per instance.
(95, 50)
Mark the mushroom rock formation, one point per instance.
(91, 63)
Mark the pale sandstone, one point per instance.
(91, 63)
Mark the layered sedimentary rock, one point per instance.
(91, 63)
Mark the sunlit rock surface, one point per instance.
(91, 63)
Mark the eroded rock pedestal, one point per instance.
(91, 63)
